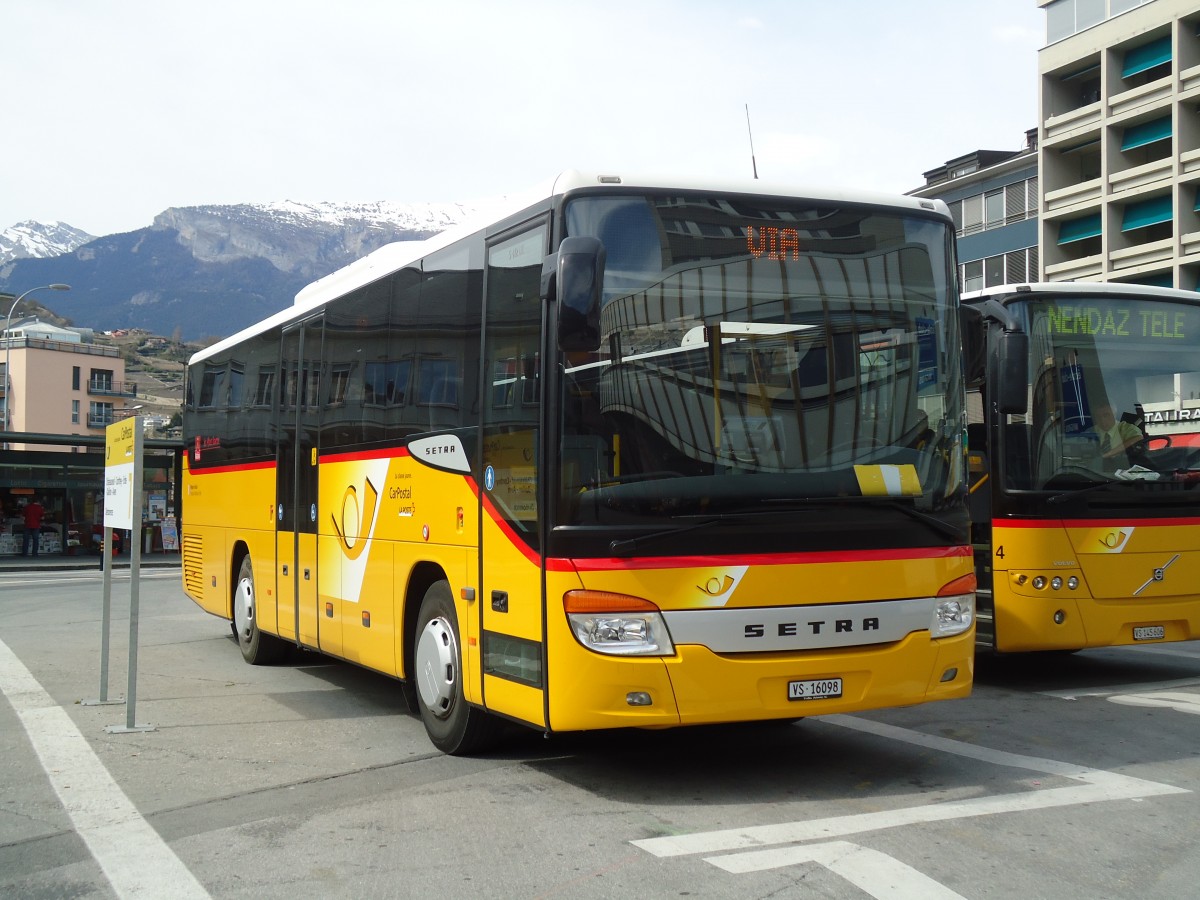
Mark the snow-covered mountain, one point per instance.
(308, 239)
(38, 240)
(210, 270)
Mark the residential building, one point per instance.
(1119, 142)
(993, 196)
(59, 383)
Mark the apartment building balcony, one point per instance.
(1150, 175)
(106, 388)
(1189, 81)
(1149, 254)
(1189, 162)
(1074, 197)
(1189, 245)
(1087, 268)
(100, 420)
(1139, 99)
(1071, 125)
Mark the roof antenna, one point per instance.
(753, 161)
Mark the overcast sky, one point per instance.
(114, 111)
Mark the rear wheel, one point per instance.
(453, 725)
(257, 648)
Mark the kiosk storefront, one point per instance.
(70, 488)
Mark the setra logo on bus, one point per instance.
(790, 629)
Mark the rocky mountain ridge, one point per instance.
(208, 271)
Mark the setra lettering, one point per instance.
(791, 629)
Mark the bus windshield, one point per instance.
(762, 354)
(1114, 395)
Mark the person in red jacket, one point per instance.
(33, 526)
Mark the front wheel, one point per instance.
(453, 725)
(257, 648)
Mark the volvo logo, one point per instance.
(1159, 575)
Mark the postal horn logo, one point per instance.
(353, 521)
(719, 585)
(1115, 541)
(716, 587)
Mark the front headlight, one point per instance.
(954, 607)
(952, 615)
(617, 624)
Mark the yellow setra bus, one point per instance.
(635, 454)
(1085, 466)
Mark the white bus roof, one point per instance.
(1067, 288)
(395, 256)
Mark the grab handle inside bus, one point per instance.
(576, 280)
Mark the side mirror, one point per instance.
(1012, 372)
(574, 277)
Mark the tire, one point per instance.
(258, 649)
(453, 725)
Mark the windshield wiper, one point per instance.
(1064, 496)
(943, 528)
(626, 546)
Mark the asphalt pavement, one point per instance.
(1073, 777)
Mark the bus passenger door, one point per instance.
(296, 483)
(513, 629)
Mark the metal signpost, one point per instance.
(123, 509)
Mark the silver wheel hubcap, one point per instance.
(243, 608)
(437, 667)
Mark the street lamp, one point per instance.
(8, 339)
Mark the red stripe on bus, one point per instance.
(238, 467)
(509, 532)
(357, 455)
(1107, 522)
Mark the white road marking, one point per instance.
(1142, 687)
(1179, 701)
(134, 859)
(1094, 786)
(876, 873)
